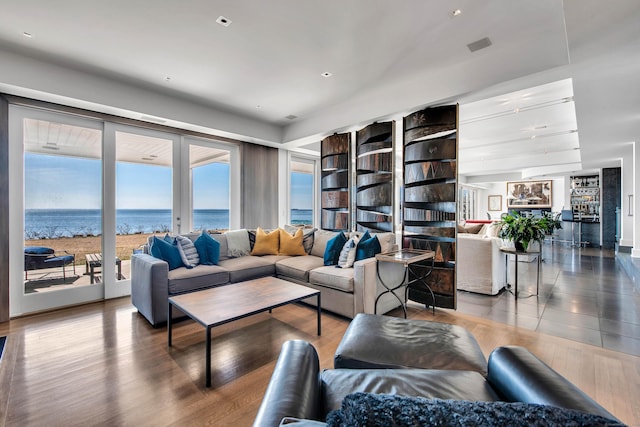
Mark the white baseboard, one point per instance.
(626, 242)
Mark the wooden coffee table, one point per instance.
(224, 304)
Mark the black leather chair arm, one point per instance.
(519, 376)
(294, 389)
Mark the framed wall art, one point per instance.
(495, 203)
(529, 194)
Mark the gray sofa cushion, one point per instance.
(387, 240)
(238, 244)
(320, 239)
(333, 277)
(201, 276)
(298, 267)
(273, 259)
(224, 246)
(247, 268)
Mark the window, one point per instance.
(467, 203)
(210, 183)
(302, 194)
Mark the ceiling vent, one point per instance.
(479, 44)
(291, 117)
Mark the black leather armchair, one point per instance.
(298, 389)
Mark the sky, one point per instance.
(301, 190)
(58, 182)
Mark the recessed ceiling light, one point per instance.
(291, 117)
(326, 74)
(225, 22)
(28, 35)
(456, 12)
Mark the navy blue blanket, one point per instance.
(372, 410)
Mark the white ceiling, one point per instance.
(529, 131)
(387, 59)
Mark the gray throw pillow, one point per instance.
(188, 251)
(238, 241)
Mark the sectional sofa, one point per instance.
(344, 291)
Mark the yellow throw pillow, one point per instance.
(291, 245)
(266, 244)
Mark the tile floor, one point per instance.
(585, 295)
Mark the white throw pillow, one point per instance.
(492, 230)
(348, 253)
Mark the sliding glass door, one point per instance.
(56, 208)
(144, 205)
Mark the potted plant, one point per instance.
(552, 221)
(521, 230)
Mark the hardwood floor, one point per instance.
(103, 364)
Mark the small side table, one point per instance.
(513, 251)
(95, 260)
(406, 257)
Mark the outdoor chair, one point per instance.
(39, 258)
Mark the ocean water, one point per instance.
(52, 223)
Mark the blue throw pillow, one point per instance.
(208, 249)
(367, 247)
(165, 251)
(332, 251)
(38, 250)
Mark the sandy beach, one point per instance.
(79, 246)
